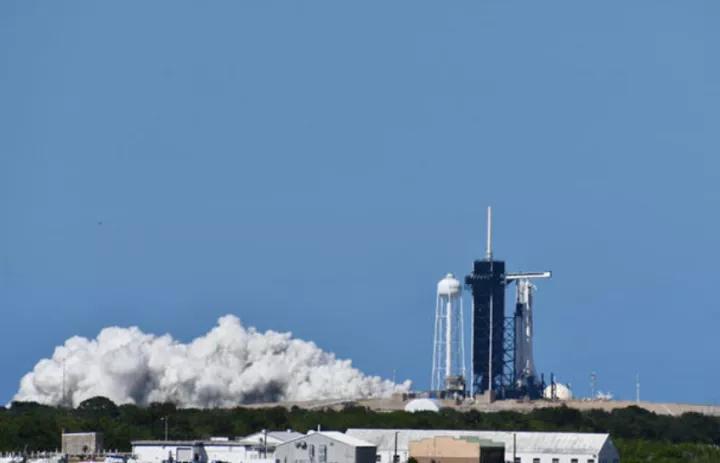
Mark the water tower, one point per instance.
(448, 370)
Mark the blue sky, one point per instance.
(317, 166)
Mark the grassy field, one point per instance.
(644, 451)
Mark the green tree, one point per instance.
(99, 406)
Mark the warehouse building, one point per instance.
(445, 449)
(265, 442)
(255, 448)
(224, 450)
(81, 443)
(520, 447)
(150, 451)
(325, 447)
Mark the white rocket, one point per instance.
(525, 374)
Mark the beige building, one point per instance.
(447, 449)
(82, 443)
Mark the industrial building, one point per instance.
(81, 443)
(446, 449)
(149, 451)
(386, 446)
(267, 441)
(215, 450)
(325, 447)
(393, 445)
(237, 451)
(256, 448)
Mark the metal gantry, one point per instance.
(502, 357)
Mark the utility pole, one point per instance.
(265, 443)
(488, 244)
(64, 397)
(396, 457)
(165, 420)
(637, 388)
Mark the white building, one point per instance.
(255, 448)
(325, 447)
(81, 443)
(235, 451)
(520, 447)
(150, 451)
(270, 439)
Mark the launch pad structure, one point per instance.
(501, 352)
(502, 363)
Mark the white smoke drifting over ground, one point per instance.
(228, 366)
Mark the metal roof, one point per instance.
(479, 441)
(204, 443)
(228, 443)
(346, 439)
(527, 442)
(284, 436)
(337, 436)
(166, 443)
(278, 436)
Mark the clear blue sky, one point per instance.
(317, 166)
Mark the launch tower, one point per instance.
(487, 284)
(502, 362)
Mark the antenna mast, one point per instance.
(64, 396)
(488, 247)
(488, 257)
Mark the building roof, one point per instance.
(204, 443)
(229, 443)
(336, 436)
(479, 441)
(166, 443)
(253, 440)
(276, 436)
(346, 439)
(527, 442)
(284, 436)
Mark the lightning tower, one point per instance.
(487, 284)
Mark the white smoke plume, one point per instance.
(229, 365)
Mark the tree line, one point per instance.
(636, 431)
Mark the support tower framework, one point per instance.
(501, 352)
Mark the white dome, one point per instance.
(422, 405)
(561, 391)
(448, 286)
